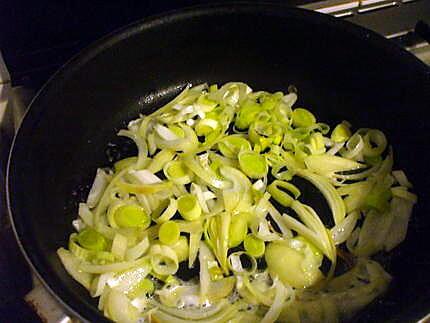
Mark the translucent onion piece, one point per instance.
(312, 220)
(401, 210)
(403, 193)
(85, 214)
(197, 191)
(217, 231)
(238, 229)
(72, 266)
(176, 171)
(310, 235)
(277, 217)
(263, 232)
(100, 182)
(333, 198)
(294, 265)
(222, 316)
(358, 287)
(204, 257)
(251, 294)
(343, 230)
(79, 225)
(138, 250)
(237, 197)
(114, 267)
(165, 133)
(326, 165)
(205, 174)
(194, 247)
(142, 147)
(127, 280)
(144, 176)
(145, 188)
(98, 285)
(181, 248)
(356, 194)
(401, 178)
(373, 233)
(375, 143)
(120, 309)
(191, 313)
(168, 213)
(275, 309)
(235, 263)
(354, 148)
(175, 295)
(119, 246)
(335, 149)
(164, 260)
(159, 161)
(152, 146)
(187, 144)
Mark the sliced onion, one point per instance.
(164, 260)
(205, 174)
(403, 193)
(275, 310)
(145, 176)
(140, 142)
(205, 279)
(72, 265)
(343, 230)
(125, 281)
(99, 185)
(401, 210)
(194, 247)
(120, 309)
(202, 313)
(235, 263)
(277, 217)
(169, 212)
(333, 198)
(197, 191)
(165, 133)
(119, 246)
(85, 214)
(114, 267)
(78, 224)
(138, 250)
(225, 315)
(401, 178)
(98, 289)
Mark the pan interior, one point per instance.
(341, 72)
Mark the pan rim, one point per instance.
(76, 306)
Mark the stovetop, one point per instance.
(52, 32)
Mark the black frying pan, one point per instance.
(342, 72)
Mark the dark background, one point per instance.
(38, 36)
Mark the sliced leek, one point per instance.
(215, 184)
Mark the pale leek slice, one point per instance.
(333, 198)
(164, 260)
(72, 266)
(253, 164)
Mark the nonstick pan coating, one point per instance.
(342, 72)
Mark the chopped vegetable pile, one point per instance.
(212, 192)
